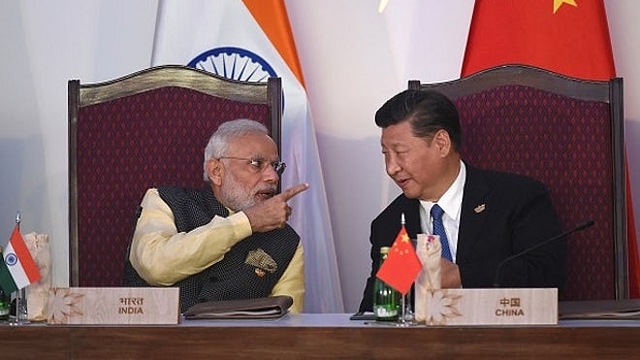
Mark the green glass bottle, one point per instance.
(386, 300)
(5, 299)
(4, 306)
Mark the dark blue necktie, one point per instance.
(438, 229)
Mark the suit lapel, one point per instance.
(412, 217)
(473, 213)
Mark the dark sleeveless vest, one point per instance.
(238, 275)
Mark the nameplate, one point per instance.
(502, 306)
(113, 306)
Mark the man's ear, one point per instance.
(215, 171)
(442, 141)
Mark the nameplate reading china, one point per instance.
(502, 306)
(113, 306)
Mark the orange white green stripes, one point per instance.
(19, 264)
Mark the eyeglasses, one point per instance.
(260, 165)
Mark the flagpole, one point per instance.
(403, 320)
(20, 317)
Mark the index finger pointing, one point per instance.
(294, 190)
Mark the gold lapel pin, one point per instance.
(259, 272)
(480, 208)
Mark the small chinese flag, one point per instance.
(402, 265)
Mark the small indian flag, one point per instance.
(18, 269)
(6, 280)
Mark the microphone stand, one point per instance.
(581, 226)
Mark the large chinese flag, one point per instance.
(570, 37)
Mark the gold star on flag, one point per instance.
(558, 3)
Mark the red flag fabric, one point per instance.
(570, 37)
(544, 33)
(402, 265)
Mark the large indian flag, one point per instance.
(251, 40)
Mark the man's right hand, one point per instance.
(273, 213)
(450, 274)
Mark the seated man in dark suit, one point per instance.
(229, 240)
(487, 215)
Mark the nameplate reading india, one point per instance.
(113, 306)
(504, 306)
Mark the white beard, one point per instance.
(234, 196)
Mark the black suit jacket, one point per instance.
(502, 214)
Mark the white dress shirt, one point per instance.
(451, 203)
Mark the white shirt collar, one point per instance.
(451, 200)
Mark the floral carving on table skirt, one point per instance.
(64, 304)
(442, 306)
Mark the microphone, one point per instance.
(581, 226)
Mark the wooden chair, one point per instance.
(567, 133)
(139, 131)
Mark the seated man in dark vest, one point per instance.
(229, 240)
